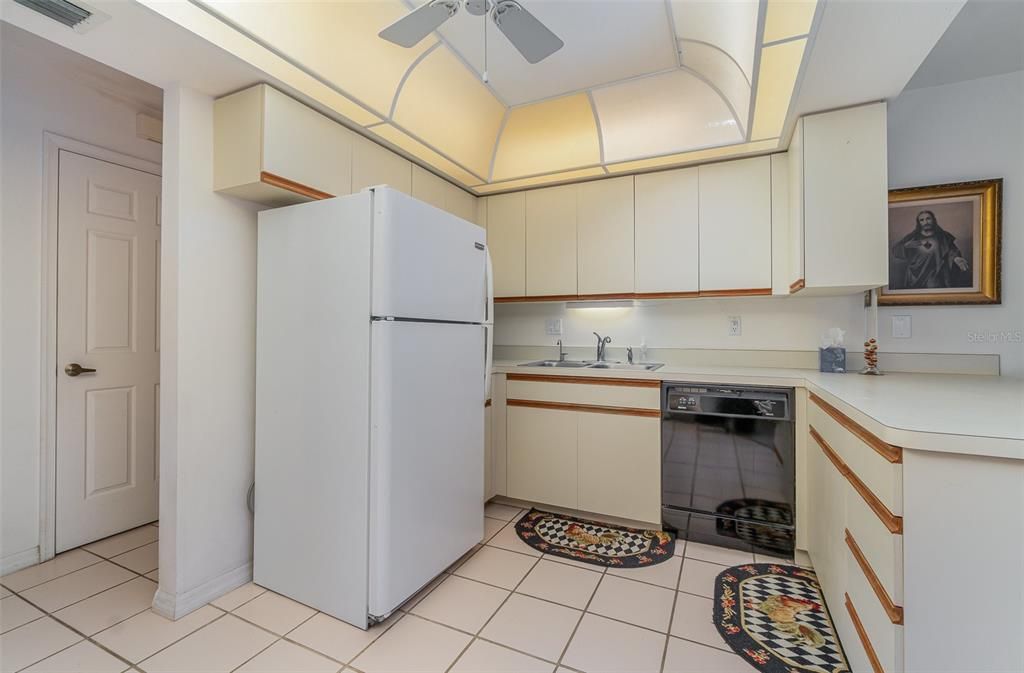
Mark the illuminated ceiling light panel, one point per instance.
(780, 65)
(464, 121)
(697, 156)
(788, 18)
(546, 137)
(637, 86)
(665, 113)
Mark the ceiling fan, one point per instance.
(528, 35)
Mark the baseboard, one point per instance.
(22, 559)
(176, 606)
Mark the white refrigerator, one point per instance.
(373, 353)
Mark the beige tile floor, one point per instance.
(504, 607)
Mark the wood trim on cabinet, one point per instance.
(894, 612)
(588, 408)
(893, 454)
(586, 380)
(869, 649)
(292, 186)
(892, 522)
(750, 292)
(797, 285)
(745, 292)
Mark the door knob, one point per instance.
(74, 369)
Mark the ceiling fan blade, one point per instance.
(419, 23)
(528, 35)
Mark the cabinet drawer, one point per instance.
(882, 551)
(877, 464)
(625, 393)
(877, 643)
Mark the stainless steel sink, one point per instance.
(644, 367)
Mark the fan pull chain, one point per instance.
(486, 13)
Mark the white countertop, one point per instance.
(953, 413)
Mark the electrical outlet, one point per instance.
(901, 327)
(553, 326)
(735, 325)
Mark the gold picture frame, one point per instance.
(944, 245)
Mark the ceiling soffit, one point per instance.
(639, 82)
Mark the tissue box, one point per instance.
(832, 359)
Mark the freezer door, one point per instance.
(426, 454)
(427, 263)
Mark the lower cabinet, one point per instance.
(542, 455)
(489, 490)
(619, 465)
(590, 447)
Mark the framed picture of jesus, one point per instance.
(944, 244)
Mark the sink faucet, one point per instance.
(629, 354)
(561, 353)
(601, 343)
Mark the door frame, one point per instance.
(52, 146)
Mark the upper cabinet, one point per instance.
(439, 192)
(272, 149)
(838, 210)
(506, 240)
(604, 222)
(666, 232)
(736, 227)
(376, 165)
(550, 241)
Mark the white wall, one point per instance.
(769, 323)
(208, 355)
(37, 95)
(965, 131)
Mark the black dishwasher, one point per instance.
(728, 466)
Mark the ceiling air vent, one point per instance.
(79, 16)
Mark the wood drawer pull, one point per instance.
(892, 522)
(589, 408)
(893, 454)
(586, 380)
(869, 649)
(894, 611)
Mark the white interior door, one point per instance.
(108, 257)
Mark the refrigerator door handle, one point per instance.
(488, 324)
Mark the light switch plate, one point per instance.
(901, 327)
(735, 325)
(553, 326)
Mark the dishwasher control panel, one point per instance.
(723, 401)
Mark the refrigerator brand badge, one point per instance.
(478, 246)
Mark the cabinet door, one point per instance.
(460, 203)
(620, 466)
(551, 241)
(428, 187)
(303, 146)
(736, 225)
(781, 280)
(795, 167)
(604, 216)
(376, 165)
(846, 198)
(506, 239)
(667, 259)
(542, 460)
